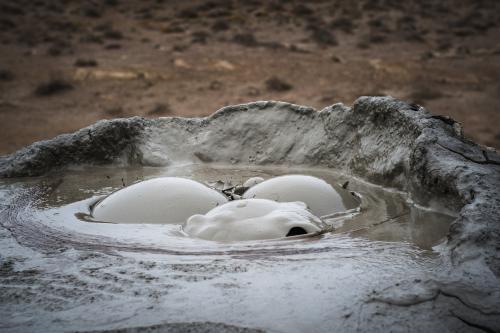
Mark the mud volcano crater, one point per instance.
(419, 252)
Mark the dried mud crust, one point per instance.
(380, 139)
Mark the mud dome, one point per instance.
(320, 197)
(158, 200)
(53, 279)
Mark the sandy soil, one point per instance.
(66, 64)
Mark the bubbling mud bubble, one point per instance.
(253, 219)
(166, 200)
(319, 196)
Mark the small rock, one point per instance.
(239, 190)
(225, 65)
(180, 63)
(6, 75)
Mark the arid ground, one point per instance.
(65, 64)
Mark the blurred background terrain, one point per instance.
(65, 64)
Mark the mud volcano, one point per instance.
(419, 253)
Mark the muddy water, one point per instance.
(307, 281)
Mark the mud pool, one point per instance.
(100, 265)
(420, 254)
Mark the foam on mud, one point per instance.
(252, 219)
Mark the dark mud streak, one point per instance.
(396, 302)
(486, 161)
(458, 298)
(474, 325)
(433, 298)
(193, 327)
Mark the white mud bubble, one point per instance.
(319, 196)
(159, 200)
(253, 219)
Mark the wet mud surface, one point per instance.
(56, 273)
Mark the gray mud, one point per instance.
(58, 277)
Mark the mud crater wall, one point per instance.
(380, 139)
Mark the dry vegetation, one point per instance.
(67, 63)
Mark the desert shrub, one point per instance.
(63, 26)
(160, 109)
(344, 24)
(302, 10)
(173, 29)
(373, 5)
(221, 12)
(207, 6)
(59, 47)
(180, 47)
(91, 38)
(113, 46)
(215, 85)
(363, 43)
(278, 85)
(220, 25)
(85, 63)
(187, 13)
(246, 39)
(52, 87)
(11, 9)
(111, 3)
(115, 111)
(406, 23)
(377, 38)
(276, 6)
(7, 24)
(322, 36)
(422, 93)
(103, 27)
(113, 34)
(6, 75)
(444, 44)
(91, 11)
(414, 37)
(199, 37)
